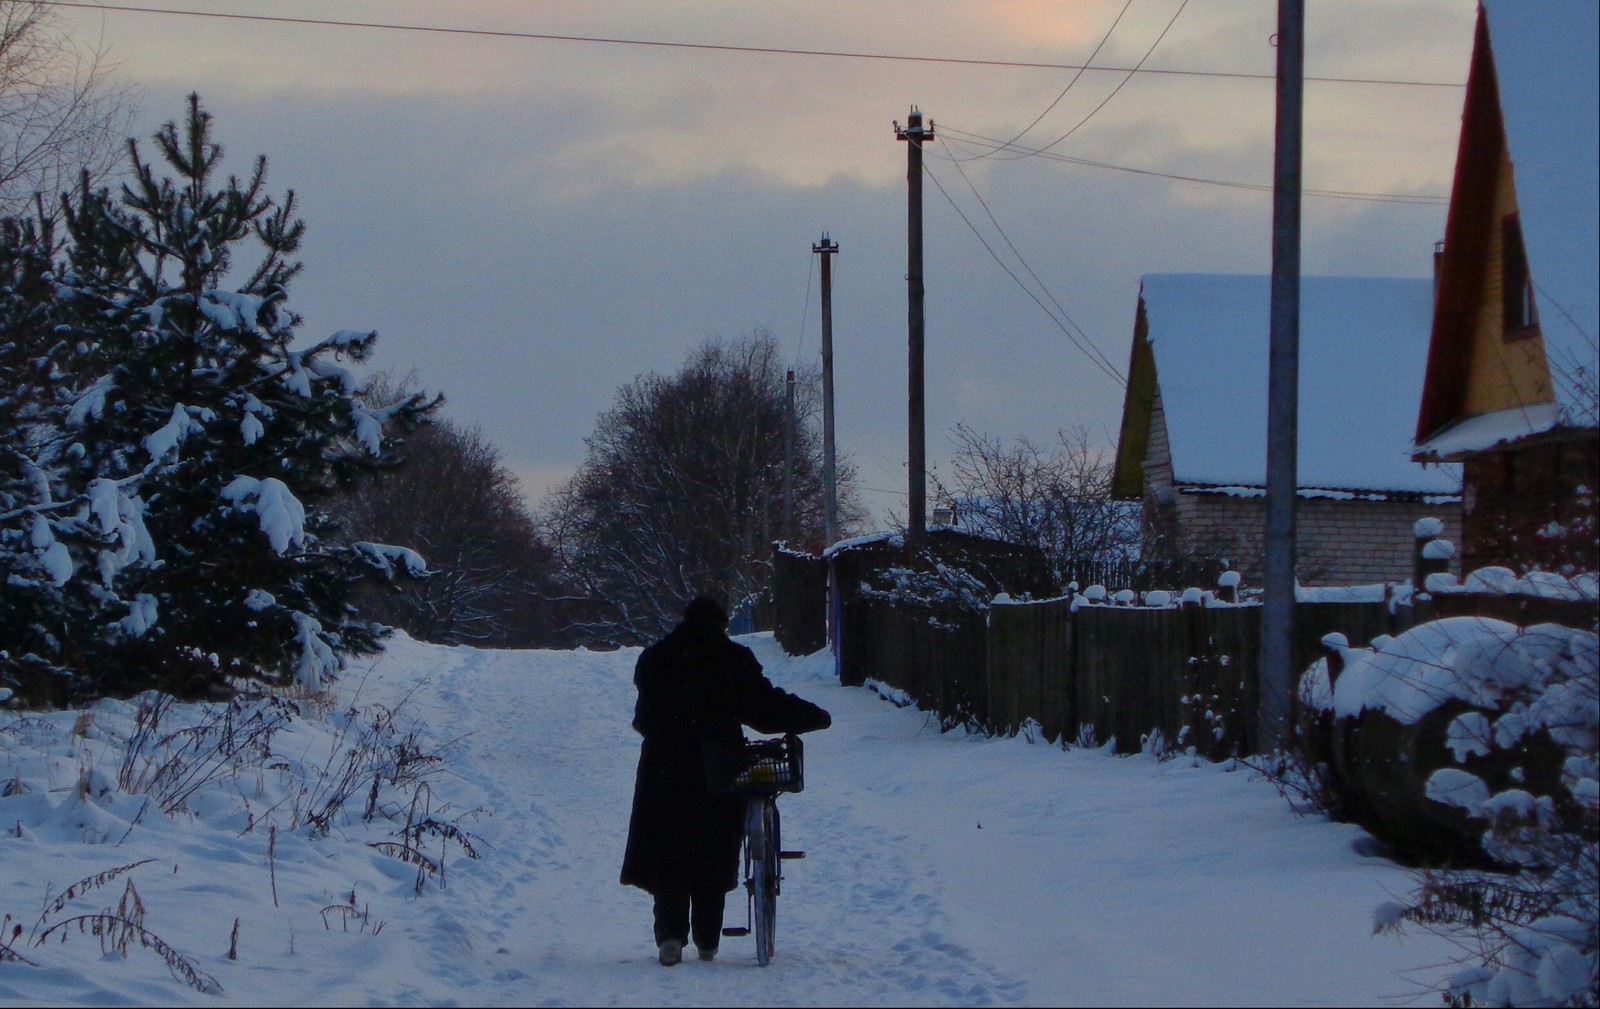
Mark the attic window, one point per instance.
(1519, 315)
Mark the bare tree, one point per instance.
(61, 112)
(456, 504)
(682, 490)
(1573, 369)
(1057, 498)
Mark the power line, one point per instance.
(713, 47)
(980, 141)
(1075, 78)
(1093, 349)
(805, 312)
(1107, 99)
(994, 145)
(1115, 375)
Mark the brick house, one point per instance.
(1509, 389)
(1194, 424)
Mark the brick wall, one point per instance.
(1532, 507)
(1338, 542)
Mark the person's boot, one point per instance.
(670, 952)
(707, 954)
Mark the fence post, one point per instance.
(1228, 586)
(1334, 644)
(1429, 554)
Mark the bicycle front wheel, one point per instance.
(765, 872)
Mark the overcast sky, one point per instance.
(531, 223)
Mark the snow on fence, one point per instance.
(938, 626)
(1099, 671)
(1150, 677)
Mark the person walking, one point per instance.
(696, 687)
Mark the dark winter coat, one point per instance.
(696, 686)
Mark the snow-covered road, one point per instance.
(941, 869)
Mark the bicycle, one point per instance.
(763, 770)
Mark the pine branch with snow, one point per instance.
(184, 446)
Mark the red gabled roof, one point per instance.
(1466, 242)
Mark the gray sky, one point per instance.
(531, 223)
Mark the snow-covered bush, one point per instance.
(936, 585)
(1504, 728)
(1155, 744)
(165, 466)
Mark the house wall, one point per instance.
(1475, 364)
(1507, 368)
(1138, 405)
(1158, 479)
(1338, 542)
(1160, 488)
(1535, 507)
(1532, 507)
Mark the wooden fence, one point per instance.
(1105, 671)
(799, 600)
(1125, 672)
(937, 658)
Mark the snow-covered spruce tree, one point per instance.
(198, 442)
(37, 599)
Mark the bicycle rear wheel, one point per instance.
(765, 873)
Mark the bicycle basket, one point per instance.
(763, 765)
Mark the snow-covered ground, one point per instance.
(941, 869)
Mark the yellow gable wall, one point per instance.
(1503, 374)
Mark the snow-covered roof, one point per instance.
(1489, 430)
(1363, 348)
(1547, 60)
(894, 539)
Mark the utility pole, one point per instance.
(917, 456)
(827, 249)
(1283, 386)
(788, 458)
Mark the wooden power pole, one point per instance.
(827, 249)
(788, 458)
(917, 455)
